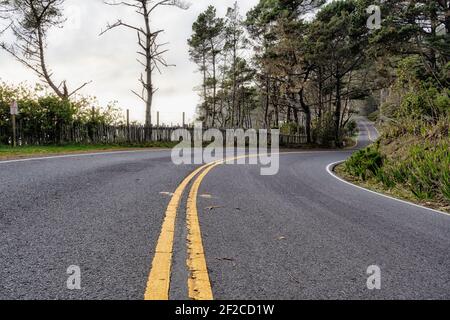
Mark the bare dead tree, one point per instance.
(151, 52)
(30, 22)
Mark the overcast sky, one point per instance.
(78, 54)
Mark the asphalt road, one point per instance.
(301, 234)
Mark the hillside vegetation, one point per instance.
(412, 157)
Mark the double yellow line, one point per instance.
(158, 284)
(199, 286)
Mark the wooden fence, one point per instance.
(104, 134)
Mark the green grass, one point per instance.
(374, 116)
(408, 167)
(7, 152)
(398, 191)
(351, 142)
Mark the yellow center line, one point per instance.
(158, 283)
(199, 285)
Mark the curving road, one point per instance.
(301, 234)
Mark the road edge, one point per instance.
(75, 155)
(330, 169)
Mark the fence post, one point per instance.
(157, 126)
(14, 130)
(14, 110)
(184, 119)
(128, 126)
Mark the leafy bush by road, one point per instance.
(365, 163)
(410, 165)
(40, 111)
(413, 155)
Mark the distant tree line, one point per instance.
(228, 90)
(298, 65)
(303, 58)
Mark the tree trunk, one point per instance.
(47, 77)
(149, 102)
(234, 80)
(296, 117)
(149, 85)
(307, 110)
(276, 105)
(320, 97)
(337, 113)
(214, 86)
(205, 90)
(266, 113)
(242, 106)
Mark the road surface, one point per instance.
(301, 234)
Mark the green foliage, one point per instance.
(415, 147)
(40, 111)
(291, 128)
(408, 25)
(423, 96)
(374, 116)
(206, 29)
(410, 71)
(267, 11)
(425, 102)
(425, 171)
(365, 163)
(323, 130)
(351, 128)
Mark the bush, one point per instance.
(427, 171)
(351, 128)
(423, 96)
(42, 112)
(323, 130)
(365, 163)
(291, 128)
(413, 154)
(373, 116)
(424, 171)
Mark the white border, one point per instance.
(331, 167)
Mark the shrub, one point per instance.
(351, 128)
(43, 112)
(291, 128)
(425, 171)
(428, 170)
(414, 152)
(374, 116)
(365, 163)
(323, 131)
